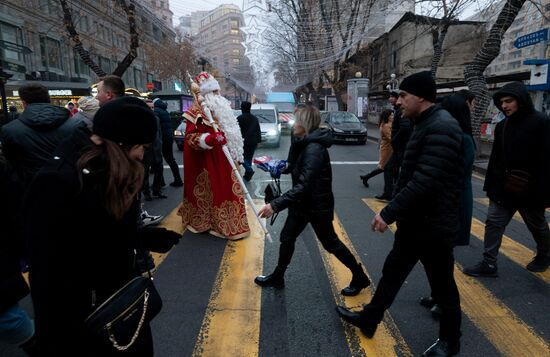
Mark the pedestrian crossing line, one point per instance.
(171, 222)
(387, 341)
(485, 201)
(506, 332)
(517, 252)
(231, 325)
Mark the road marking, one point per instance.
(171, 222)
(354, 162)
(231, 325)
(387, 341)
(506, 332)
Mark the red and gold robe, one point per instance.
(213, 199)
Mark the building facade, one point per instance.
(35, 47)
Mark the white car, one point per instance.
(268, 117)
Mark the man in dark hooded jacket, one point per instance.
(167, 140)
(30, 141)
(518, 178)
(252, 135)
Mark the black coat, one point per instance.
(30, 141)
(12, 285)
(164, 118)
(401, 130)
(521, 142)
(430, 181)
(250, 129)
(311, 192)
(76, 249)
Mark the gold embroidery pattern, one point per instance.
(193, 140)
(230, 219)
(199, 217)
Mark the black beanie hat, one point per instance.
(420, 84)
(127, 121)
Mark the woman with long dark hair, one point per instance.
(81, 224)
(310, 200)
(385, 151)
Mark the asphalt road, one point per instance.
(213, 308)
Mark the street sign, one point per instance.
(531, 39)
(14, 67)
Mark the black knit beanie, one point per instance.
(127, 121)
(420, 84)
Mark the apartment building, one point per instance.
(35, 47)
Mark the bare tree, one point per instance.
(473, 72)
(171, 60)
(129, 9)
(446, 13)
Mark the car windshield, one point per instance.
(264, 115)
(285, 107)
(343, 117)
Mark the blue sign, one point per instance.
(531, 39)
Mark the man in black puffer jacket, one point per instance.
(426, 209)
(521, 151)
(167, 140)
(30, 141)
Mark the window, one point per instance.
(236, 61)
(50, 52)
(137, 78)
(234, 24)
(234, 32)
(10, 34)
(105, 64)
(236, 52)
(79, 66)
(394, 54)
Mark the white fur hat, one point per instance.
(207, 83)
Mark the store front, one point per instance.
(60, 92)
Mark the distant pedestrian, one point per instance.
(87, 107)
(252, 136)
(16, 328)
(31, 140)
(92, 182)
(425, 208)
(108, 88)
(152, 161)
(457, 106)
(400, 132)
(167, 140)
(310, 200)
(71, 108)
(517, 178)
(385, 149)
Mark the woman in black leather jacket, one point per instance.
(310, 200)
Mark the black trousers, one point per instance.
(168, 155)
(436, 254)
(391, 172)
(324, 230)
(157, 170)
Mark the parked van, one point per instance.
(268, 117)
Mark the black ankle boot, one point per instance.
(275, 280)
(365, 179)
(359, 281)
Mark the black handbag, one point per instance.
(122, 316)
(271, 192)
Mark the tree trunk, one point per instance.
(130, 11)
(438, 40)
(473, 72)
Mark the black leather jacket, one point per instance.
(311, 176)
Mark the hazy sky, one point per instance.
(185, 7)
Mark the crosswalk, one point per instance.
(232, 320)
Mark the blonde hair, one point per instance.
(308, 118)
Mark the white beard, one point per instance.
(228, 124)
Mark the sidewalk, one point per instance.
(480, 165)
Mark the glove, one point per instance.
(159, 240)
(216, 139)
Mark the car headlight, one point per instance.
(271, 132)
(363, 130)
(178, 133)
(291, 122)
(336, 130)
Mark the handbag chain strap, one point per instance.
(136, 334)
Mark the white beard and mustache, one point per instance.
(228, 124)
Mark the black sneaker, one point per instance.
(383, 197)
(539, 264)
(442, 349)
(482, 269)
(177, 183)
